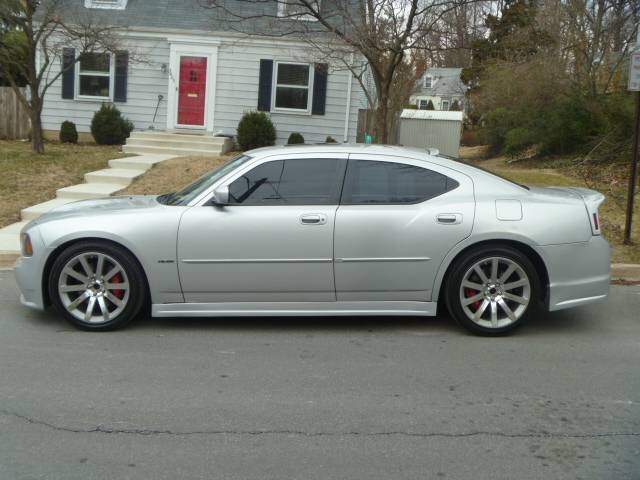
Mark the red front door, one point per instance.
(193, 85)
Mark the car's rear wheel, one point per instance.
(97, 286)
(492, 290)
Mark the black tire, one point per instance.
(464, 263)
(137, 294)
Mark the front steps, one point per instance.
(101, 183)
(176, 144)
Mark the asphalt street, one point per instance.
(321, 398)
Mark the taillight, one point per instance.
(27, 246)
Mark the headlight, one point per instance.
(27, 247)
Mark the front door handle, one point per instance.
(449, 218)
(313, 219)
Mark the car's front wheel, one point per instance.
(97, 286)
(492, 290)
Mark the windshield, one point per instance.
(184, 196)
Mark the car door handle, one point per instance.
(449, 218)
(313, 219)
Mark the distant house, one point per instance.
(186, 68)
(442, 86)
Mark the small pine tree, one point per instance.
(455, 106)
(430, 106)
(255, 130)
(68, 132)
(330, 139)
(295, 138)
(109, 127)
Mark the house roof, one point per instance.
(446, 81)
(190, 15)
(431, 114)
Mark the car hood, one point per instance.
(98, 206)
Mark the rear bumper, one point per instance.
(579, 273)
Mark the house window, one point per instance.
(428, 81)
(422, 105)
(293, 8)
(445, 104)
(292, 87)
(95, 76)
(110, 4)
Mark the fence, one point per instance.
(14, 120)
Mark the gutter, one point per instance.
(345, 136)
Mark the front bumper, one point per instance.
(28, 273)
(579, 273)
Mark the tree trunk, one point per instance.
(381, 116)
(37, 136)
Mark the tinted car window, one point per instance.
(370, 182)
(289, 182)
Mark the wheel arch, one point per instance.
(524, 248)
(55, 253)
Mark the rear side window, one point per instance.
(289, 182)
(371, 182)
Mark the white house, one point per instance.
(442, 86)
(183, 67)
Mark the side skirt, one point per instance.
(302, 309)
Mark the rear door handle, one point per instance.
(449, 218)
(313, 219)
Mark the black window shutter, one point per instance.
(319, 89)
(264, 85)
(121, 72)
(69, 74)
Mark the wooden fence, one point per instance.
(14, 120)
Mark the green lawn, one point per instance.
(27, 178)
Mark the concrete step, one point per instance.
(36, 210)
(175, 136)
(88, 190)
(140, 162)
(116, 176)
(9, 243)
(178, 152)
(14, 227)
(176, 143)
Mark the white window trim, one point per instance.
(106, 4)
(426, 104)
(282, 4)
(274, 86)
(425, 81)
(443, 103)
(111, 75)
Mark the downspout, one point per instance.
(348, 109)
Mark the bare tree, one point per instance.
(38, 35)
(383, 33)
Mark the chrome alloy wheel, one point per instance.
(495, 292)
(93, 287)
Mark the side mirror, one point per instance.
(220, 196)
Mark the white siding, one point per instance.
(145, 82)
(236, 92)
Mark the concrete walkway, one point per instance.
(101, 183)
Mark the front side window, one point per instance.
(423, 104)
(374, 182)
(292, 87)
(445, 105)
(289, 182)
(94, 75)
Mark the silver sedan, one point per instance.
(322, 230)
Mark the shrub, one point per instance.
(430, 105)
(255, 130)
(68, 132)
(455, 106)
(109, 127)
(330, 139)
(295, 138)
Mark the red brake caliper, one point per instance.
(470, 292)
(117, 279)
